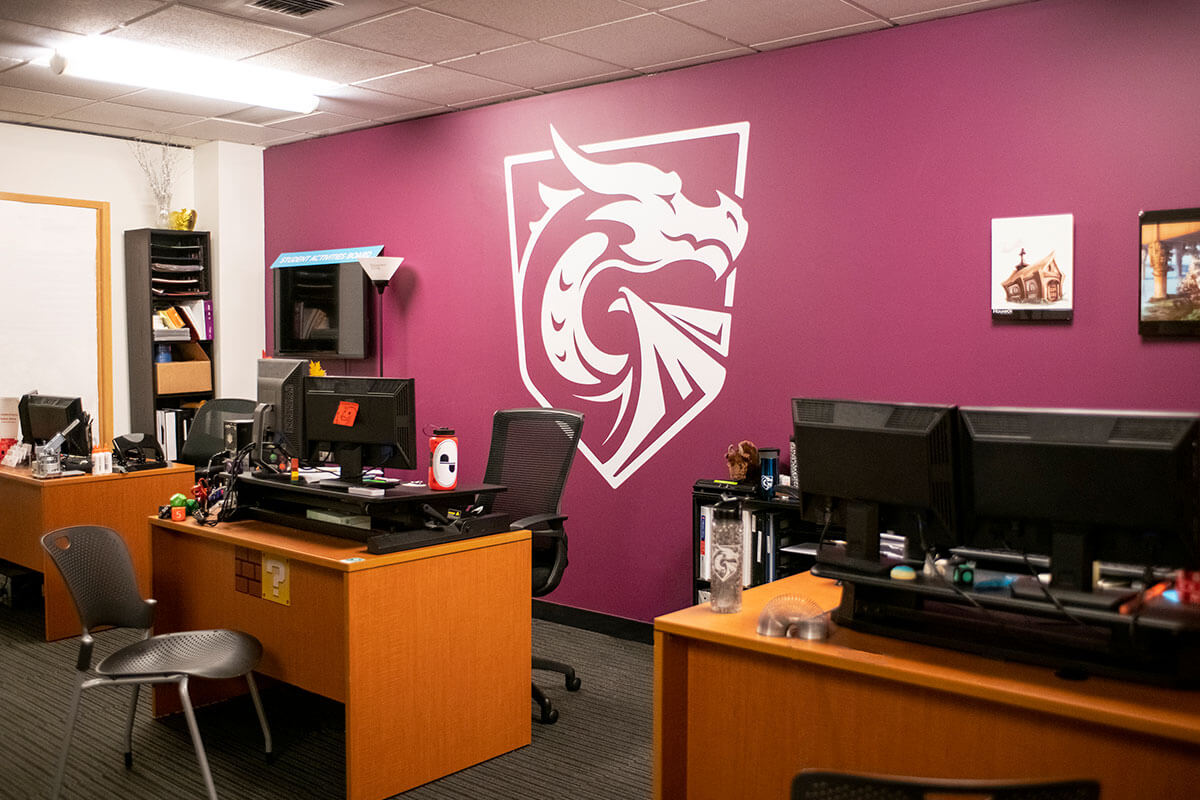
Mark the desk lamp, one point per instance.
(380, 270)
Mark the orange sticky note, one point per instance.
(346, 412)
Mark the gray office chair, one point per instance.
(98, 571)
(531, 454)
(826, 785)
(206, 436)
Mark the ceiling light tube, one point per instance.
(136, 64)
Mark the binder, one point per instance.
(706, 519)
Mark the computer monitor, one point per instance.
(43, 416)
(357, 422)
(867, 467)
(279, 418)
(1082, 486)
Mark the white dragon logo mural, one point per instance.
(624, 284)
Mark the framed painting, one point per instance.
(1169, 272)
(1033, 268)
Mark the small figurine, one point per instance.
(740, 458)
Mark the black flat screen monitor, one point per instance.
(281, 403)
(43, 416)
(869, 467)
(1082, 486)
(357, 422)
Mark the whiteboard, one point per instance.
(54, 279)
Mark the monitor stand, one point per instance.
(861, 553)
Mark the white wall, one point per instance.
(229, 197)
(226, 190)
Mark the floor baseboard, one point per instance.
(620, 627)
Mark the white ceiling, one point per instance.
(400, 60)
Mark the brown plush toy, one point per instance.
(741, 458)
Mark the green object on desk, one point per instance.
(177, 499)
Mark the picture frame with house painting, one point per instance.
(1169, 273)
(1033, 268)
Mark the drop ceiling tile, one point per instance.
(656, 5)
(259, 115)
(536, 19)
(424, 35)
(594, 79)
(42, 79)
(354, 101)
(17, 116)
(705, 59)
(816, 37)
(345, 12)
(92, 127)
(25, 42)
(440, 85)
(211, 34)
(499, 98)
(295, 137)
(145, 119)
(750, 21)
(532, 64)
(341, 63)
(76, 16)
(41, 103)
(217, 129)
(180, 103)
(637, 42)
(312, 123)
(904, 12)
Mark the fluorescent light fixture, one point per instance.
(135, 64)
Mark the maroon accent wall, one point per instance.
(875, 166)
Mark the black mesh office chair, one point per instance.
(825, 785)
(531, 454)
(98, 571)
(206, 436)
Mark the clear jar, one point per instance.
(725, 575)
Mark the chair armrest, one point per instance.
(550, 540)
(540, 521)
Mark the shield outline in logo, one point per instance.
(739, 129)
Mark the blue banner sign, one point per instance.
(313, 257)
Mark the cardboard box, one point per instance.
(191, 370)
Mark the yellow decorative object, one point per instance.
(315, 369)
(182, 220)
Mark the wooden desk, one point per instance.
(738, 715)
(30, 508)
(428, 649)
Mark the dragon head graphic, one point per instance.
(624, 294)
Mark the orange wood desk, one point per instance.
(30, 507)
(738, 715)
(428, 649)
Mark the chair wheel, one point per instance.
(129, 761)
(573, 683)
(549, 717)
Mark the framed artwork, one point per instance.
(1033, 268)
(1169, 272)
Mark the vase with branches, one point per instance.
(160, 163)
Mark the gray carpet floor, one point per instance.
(600, 746)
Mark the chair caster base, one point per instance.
(573, 683)
(549, 716)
